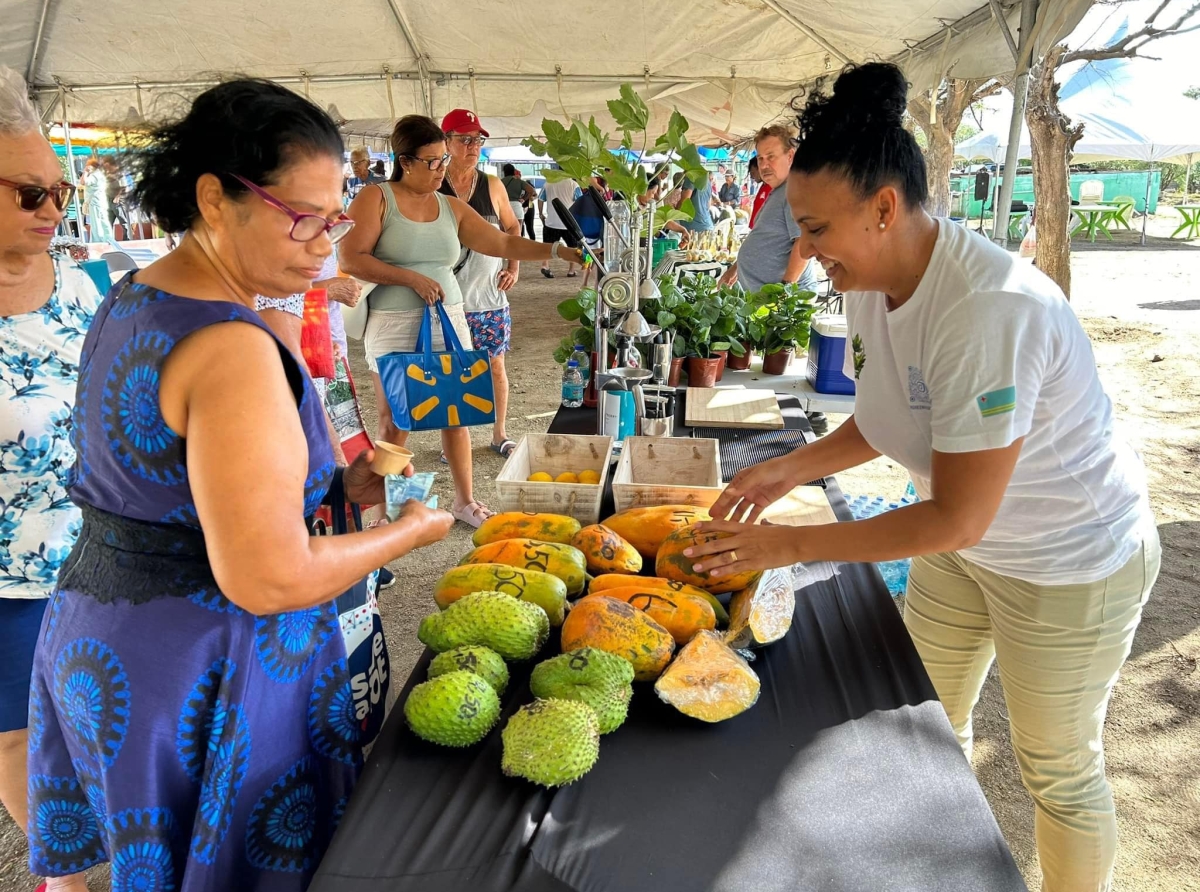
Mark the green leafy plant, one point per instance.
(581, 309)
(702, 314)
(780, 317)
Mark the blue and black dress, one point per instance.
(193, 745)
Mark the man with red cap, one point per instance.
(483, 280)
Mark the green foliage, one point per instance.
(1192, 92)
(780, 317)
(582, 309)
(703, 315)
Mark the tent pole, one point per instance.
(66, 124)
(1146, 215)
(1003, 205)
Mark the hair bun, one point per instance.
(873, 93)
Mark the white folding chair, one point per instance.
(1091, 192)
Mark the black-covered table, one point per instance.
(844, 776)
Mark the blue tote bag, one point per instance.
(433, 391)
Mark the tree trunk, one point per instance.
(955, 97)
(939, 158)
(1052, 137)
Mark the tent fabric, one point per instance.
(728, 66)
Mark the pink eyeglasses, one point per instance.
(305, 227)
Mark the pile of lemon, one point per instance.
(592, 478)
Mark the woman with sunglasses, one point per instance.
(408, 240)
(194, 722)
(46, 305)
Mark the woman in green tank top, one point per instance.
(407, 241)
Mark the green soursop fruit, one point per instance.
(516, 630)
(601, 680)
(485, 663)
(551, 742)
(455, 709)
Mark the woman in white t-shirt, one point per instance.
(1033, 542)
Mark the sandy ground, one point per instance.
(1137, 304)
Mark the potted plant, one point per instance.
(697, 311)
(779, 324)
(735, 315)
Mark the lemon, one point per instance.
(540, 477)
(592, 477)
(566, 477)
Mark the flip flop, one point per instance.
(572, 275)
(469, 513)
(547, 273)
(443, 459)
(504, 448)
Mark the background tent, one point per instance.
(728, 66)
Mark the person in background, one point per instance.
(761, 194)
(408, 239)
(1034, 543)
(46, 306)
(553, 228)
(379, 169)
(731, 193)
(483, 280)
(190, 682)
(360, 164)
(95, 192)
(700, 198)
(521, 195)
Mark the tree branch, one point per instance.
(1127, 47)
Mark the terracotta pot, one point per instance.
(777, 363)
(702, 372)
(722, 355)
(740, 363)
(676, 371)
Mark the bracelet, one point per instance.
(554, 249)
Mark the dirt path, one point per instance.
(1135, 304)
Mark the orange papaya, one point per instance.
(762, 613)
(672, 563)
(603, 584)
(621, 629)
(526, 525)
(646, 528)
(708, 680)
(605, 551)
(681, 614)
(564, 561)
(546, 591)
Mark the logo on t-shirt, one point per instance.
(860, 356)
(918, 393)
(997, 402)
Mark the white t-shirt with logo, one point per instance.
(566, 191)
(986, 351)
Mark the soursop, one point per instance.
(601, 680)
(455, 709)
(516, 630)
(485, 663)
(551, 742)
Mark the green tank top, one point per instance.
(430, 249)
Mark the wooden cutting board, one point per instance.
(732, 407)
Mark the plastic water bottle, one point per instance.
(572, 386)
(585, 363)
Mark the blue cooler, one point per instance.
(826, 352)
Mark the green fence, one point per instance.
(1131, 183)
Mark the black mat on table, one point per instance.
(844, 776)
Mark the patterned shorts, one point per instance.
(491, 330)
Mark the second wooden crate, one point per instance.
(667, 471)
(555, 454)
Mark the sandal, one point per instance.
(572, 275)
(504, 448)
(473, 513)
(443, 458)
(547, 273)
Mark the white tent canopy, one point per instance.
(728, 66)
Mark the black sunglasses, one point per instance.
(30, 198)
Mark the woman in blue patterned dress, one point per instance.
(46, 305)
(195, 723)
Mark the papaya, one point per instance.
(564, 561)
(619, 628)
(605, 551)
(681, 614)
(646, 528)
(603, 584)
(708, 680)
(762, 613)
(526, 525)
(672, 563)
(543, 589)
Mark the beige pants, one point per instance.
(395, 331)
(1058, 650)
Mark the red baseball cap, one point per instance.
(462, 121)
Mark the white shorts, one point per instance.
(395, 331)
(517, 209)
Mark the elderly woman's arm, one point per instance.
(225, 389)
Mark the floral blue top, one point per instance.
(39, 363)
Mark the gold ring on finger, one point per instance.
(733, 557)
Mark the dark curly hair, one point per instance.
(253, 128)
(858, 131)
(410, 134)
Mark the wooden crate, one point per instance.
(667, 471)
(554, 454)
